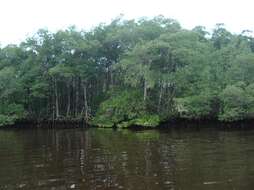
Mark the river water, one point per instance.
(52, 159)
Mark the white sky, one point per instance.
(22, 18)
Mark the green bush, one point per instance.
(123, 109)
(9, 113)
(236, 103)
(194, 107)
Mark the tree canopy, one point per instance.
(129, 72)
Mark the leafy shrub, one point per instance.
(10, 113)
(236, 103)
(123, 109)
(194, 107)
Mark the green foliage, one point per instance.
(147, 120)
(120, 107)
(6, 120)
(195, 107)
(9, 82)
(9, 113)
(236, 104)
(242, 69)
(129, 72)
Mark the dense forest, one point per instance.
(129, 72)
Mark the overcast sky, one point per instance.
(22, 18)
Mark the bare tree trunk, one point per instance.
(105, 83)
(111, 77)
(85, 102)
(69, 100)
(145, 90)
(171, 95)
(56, 100)
(73, 96)
(77, 98)
(53, 115)
(160, 97)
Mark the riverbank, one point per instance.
(175, 123)
(48, 124)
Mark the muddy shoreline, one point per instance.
(175, 123)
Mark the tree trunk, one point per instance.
(111, 78)
(69, 100)
(56, 99)
(104, 84)
(77, 98)
(73, 96)
(145, 90)
(85, 102)
(160, 97)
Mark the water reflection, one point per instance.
(144, 160)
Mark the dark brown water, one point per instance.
(136, 160)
